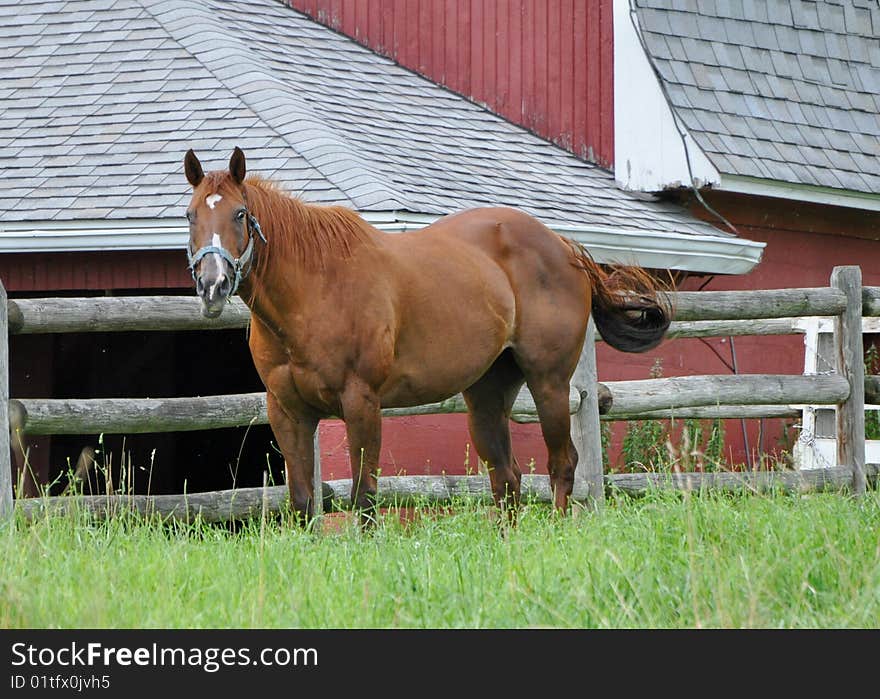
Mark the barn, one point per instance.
(759, 118)
(688, 138)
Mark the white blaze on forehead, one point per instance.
(220, 265)
(212, 199)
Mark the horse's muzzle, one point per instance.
(214, 294)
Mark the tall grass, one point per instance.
(665, 560)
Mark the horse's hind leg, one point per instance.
(547, 350)
(551, 394)
(489, 402)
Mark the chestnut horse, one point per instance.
(346, 319)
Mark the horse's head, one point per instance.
(221, 231)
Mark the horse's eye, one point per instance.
(189, 216)
(239, 215)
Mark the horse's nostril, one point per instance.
(225, 286)
(200, 286)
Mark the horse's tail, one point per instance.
(630, 308)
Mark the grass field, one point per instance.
(665, 560)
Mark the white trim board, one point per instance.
(662, 250)
(799, 192)
(649, 154)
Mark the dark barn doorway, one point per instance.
(142, 365)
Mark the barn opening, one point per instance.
(145, 365)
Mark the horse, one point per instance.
(347, 319)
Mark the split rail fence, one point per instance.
(697, 314)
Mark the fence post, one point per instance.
(851, 365)
(317, 482)
(589, 477)
(5, 445)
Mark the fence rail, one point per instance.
(630, 400)
(127, 313)
(47, 416)
(697, 314)
(404, 491)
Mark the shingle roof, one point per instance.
(785, 89)
(100, 99)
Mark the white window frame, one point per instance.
(810, 451)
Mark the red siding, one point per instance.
(543, 64)
(90, 271)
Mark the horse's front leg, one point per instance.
(363, 426)
(294, 431)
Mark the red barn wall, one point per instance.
(543, 64)
(29, 273)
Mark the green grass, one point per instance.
(659, 561)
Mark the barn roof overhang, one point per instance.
(655, 249)
(758, 186)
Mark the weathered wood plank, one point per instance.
(851, 366)
(710, 412)
(523, 408)
(5, 427)
(108, 314)
(121, 313)
(243, 503)
(745, 395)
(317, 480)
(585, 429)
(835, 479)
(638, 397)
(772, 303)
(727, 328)
(46, 416)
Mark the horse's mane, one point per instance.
(309, 234)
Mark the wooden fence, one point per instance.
(697, 314)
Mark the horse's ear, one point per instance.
(236, 165)
(193, 168)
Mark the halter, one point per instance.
(237, 264)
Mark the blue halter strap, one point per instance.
(241, 266)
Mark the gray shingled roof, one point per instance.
(787, 90)
(100, 99)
